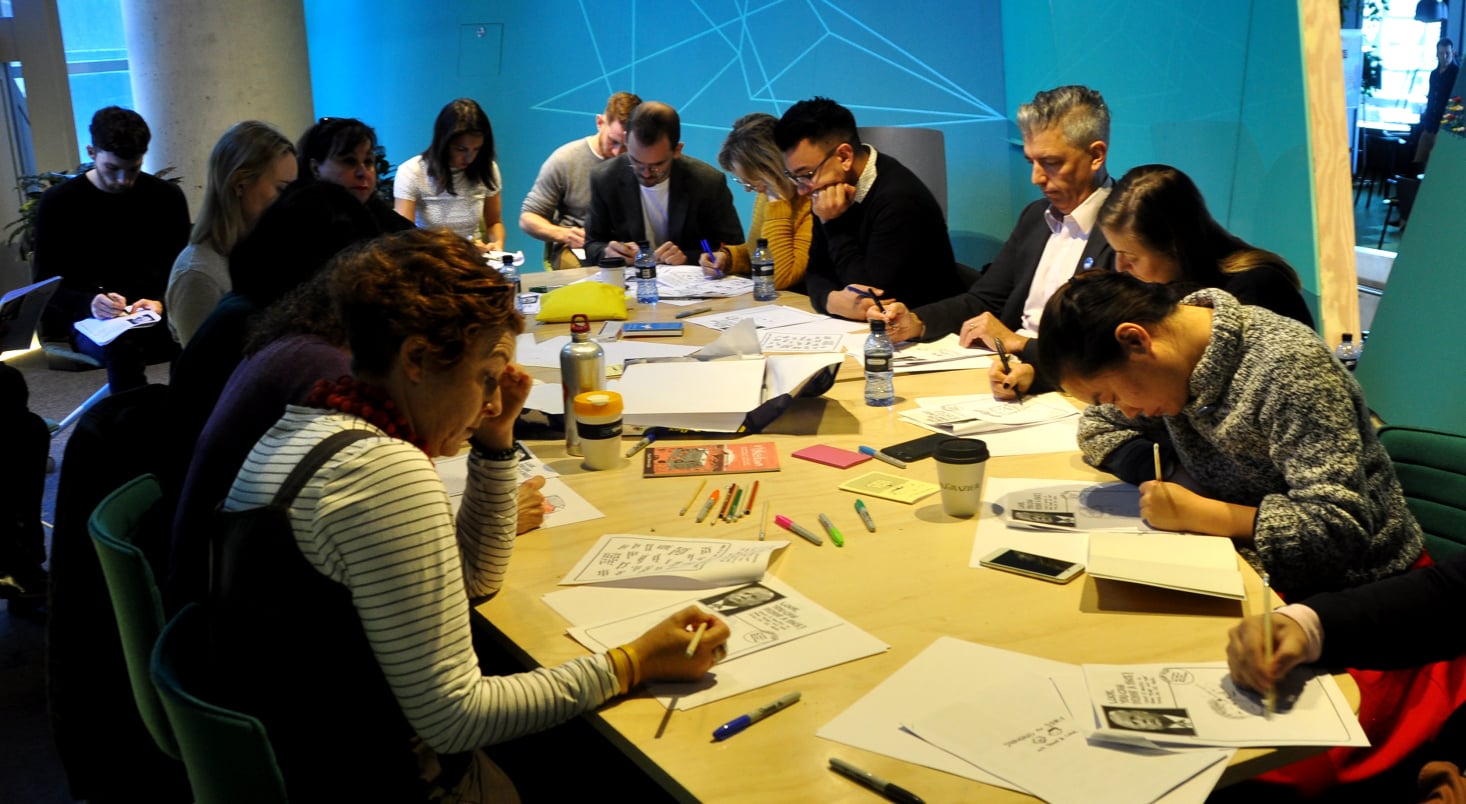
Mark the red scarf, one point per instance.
(367, 402)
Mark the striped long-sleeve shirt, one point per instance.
(376, 519)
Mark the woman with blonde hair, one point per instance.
(780, 214)
(248, 169)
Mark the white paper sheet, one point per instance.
(713, 396)
(563, 505)
(769, 317)
(1059, 436)
(628, 559)
(843, 643)
(1023, 733)
(547, 354)
(688, 280)
(981, 413)
(992, 534)
(978, 359)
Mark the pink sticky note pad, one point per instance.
(832, 456)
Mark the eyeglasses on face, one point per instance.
(648, 168)
(805, 177)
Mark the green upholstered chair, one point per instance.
(136, 602)
(227, 753)
(1432, 471)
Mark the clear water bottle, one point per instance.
(582, 368)
(646, 275)
(1347, 351)
(763, 273)
(880, 389)
(511, 278)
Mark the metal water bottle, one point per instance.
(582, 368)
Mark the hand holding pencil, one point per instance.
(1247, 654)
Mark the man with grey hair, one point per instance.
(1066, 134)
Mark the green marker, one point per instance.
(870, 524)
(834, 532)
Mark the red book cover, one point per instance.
(709, 459)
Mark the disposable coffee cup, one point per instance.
(598, 421)
(612, 271)
(960, 466)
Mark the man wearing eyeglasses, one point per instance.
(654, 193)
(879, 230)
(556, 207)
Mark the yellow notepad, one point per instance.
(890, 487)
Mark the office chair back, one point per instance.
(1432, 470)
(136, 602)
(227, 753)
(922, 150)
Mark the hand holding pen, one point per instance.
(714, 263)
(1009, 376)
(109, 305)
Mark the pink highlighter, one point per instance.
(788, 524)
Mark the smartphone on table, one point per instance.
(1045, 568)
(916, 448)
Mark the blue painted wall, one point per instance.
(543, 69)
(1215, 89)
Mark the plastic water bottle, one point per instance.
(511, 278)
(763, 273)
(646, 276)
(880, 389)
(1347, 352)
(582, 368)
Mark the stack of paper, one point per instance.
(1043, 423)
(1205, 565)
(659, 563)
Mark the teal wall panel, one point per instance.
(918, 63)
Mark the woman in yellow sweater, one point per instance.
(780, 214)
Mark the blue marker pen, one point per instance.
(707, 249)
(742, 722)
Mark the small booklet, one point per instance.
(891, 487)
(103, 331)
(1204, 565)
(709, 459)
(651, 329)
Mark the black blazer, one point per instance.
(1003, 287)
(699, 207)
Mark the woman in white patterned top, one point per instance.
(455, 183)
(432, 333)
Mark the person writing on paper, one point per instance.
(1390, 625)
(879, 228)
(1157, 222)
(1066, 138)
(655, 193)
(250, 166)
(1272, 431)
(780, 214)
(455, 183)
(371, 542)
(557, 205)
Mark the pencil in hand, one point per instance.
(696, 639)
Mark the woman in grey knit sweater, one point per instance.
(1271, 433)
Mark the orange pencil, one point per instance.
(748, 509)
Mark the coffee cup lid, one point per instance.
(961, 450)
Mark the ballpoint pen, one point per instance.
(651, 435)
(707, 248)
(694, 311)
(742, 722)
(868, 295)
(693, 498)
(870, 524)
(882, 457)
(788, 524)
(874, 782)
(835, 535)
(1002, 354)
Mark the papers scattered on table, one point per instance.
(1199, 704)
(778, 340)
(983, 414)
(842, 642)
(891, 487)
(688, 281)
(768, 317)
(563, 506)
(103, 331)
(911, 357)
(650, 561)
(1057, 505)
(1058, 435)
(547, 353)
(1018, 697)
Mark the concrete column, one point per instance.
(200, 67)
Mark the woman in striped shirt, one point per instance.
(386, 701)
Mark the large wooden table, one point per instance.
(908, 584)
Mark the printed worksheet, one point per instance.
(768, 317)
(778, 340)
(981, 413)
(1199, 704)
(1075, 506)
(948, 348)
(759, 617)
(688, 280)
(653, 561)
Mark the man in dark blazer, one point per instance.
(878, 229)
(654, 193)
(1066, 134)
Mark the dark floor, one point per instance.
(29, 768)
